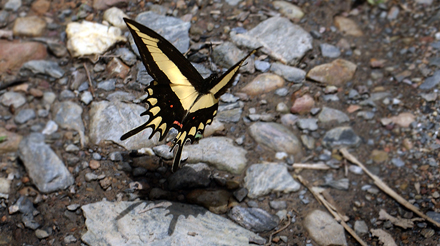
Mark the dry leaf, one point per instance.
(384, 237)
(404, 223)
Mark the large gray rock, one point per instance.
(212, 151)
(272, 34)
(276, 137)
(262, 179)
(123, 223)
(172, 29)
(45, 168)
(110, 120)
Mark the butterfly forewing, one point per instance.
(163, 61)
(226, 80)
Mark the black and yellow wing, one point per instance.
(178, 97)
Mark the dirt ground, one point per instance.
(319, 14)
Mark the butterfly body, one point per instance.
(178, 97)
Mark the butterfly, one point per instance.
(178, 97)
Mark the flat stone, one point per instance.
(11, 142)
(324, 229)
(110, 120)
(263, 83)
(276, 137)
(341, 136)
(211, 151)
(89, 38)
(24, 116)
(15, 54)
(168, 224)
(330, 114)
(303, 104)
(262, 179)
(338, 72)
(44, 167)
(13, 98)
(254, 219)
(289, 10)
(272, 34)
(289, 73)
(32, 26)
(347, 26)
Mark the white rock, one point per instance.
(50, 127)
(88, 38)
(114, 16)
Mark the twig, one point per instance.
(318, 166)
(379, 183)
(279, 230)
(89, 79)
(316, 191)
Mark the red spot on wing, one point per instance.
(178, 123)
(171, 106)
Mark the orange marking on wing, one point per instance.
(178, 123)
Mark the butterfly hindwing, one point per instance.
(163, 110)
(204, 109)
(194, 123)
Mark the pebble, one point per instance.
(48, 68)
(115, 17)
(291, 11)
(41, 234)
(324, 229)
(69, 239)
(47, 171)
(13, 98)
(24, 116)
(263, 83)
(278, 205)
(89, 38)
(291, 74)
(108, 85)
(307, 124)
(337, 73)
(86, 97)
(27, 50)
(341, 136)
(13, 5)
(269, 33)
(254, 219)
(276, 137)
(262, 179)
(330, 51)
(347, 26)
(262, 66)
(329, 114)
(210, 151)
(302, 105)
(32, 26)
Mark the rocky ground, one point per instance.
(360, 75)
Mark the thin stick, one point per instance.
(89, 79)
(279, 230)
(332, 209)
(379, 183)
(319, 166)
